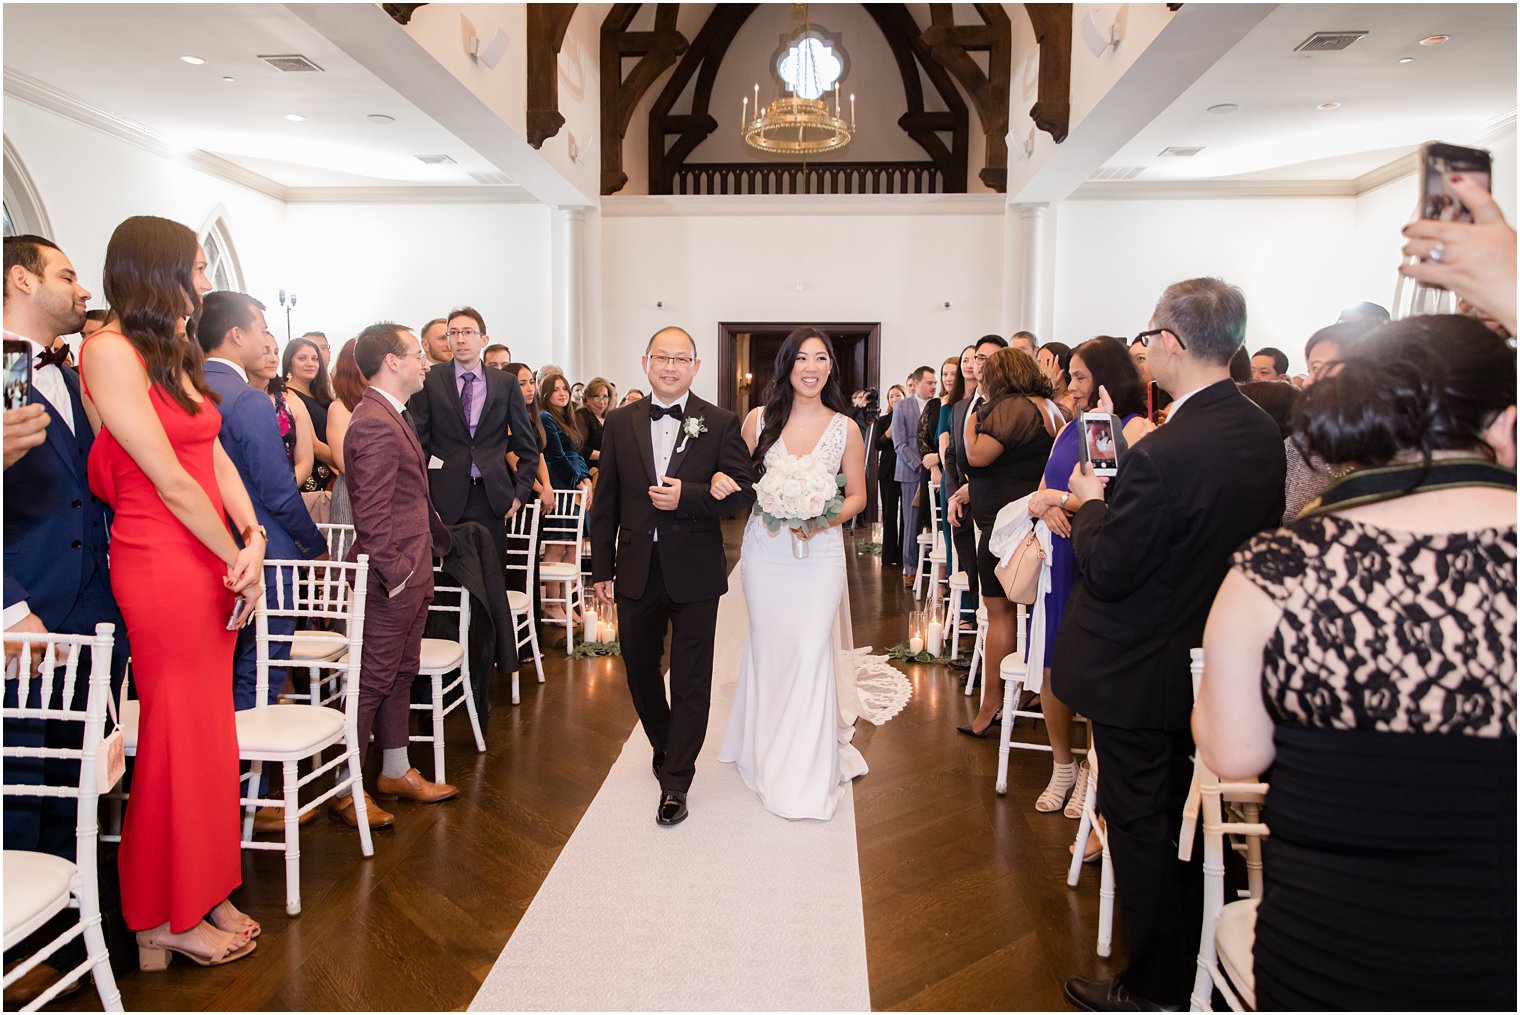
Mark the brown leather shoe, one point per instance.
(412, 786)
(272, 819)
(30, 987)
(343, 809)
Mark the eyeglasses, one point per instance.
(671, 361)
(1144, 338)
(599, 398)
(462, 333)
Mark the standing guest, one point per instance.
(1054, 359)
(910, 469)
(348, 386)
(1103, 379)
(1366, 655)
(436, 343)
(1370, 314)
(577, 391)
(158, 463)
(889, 488)
(319, 339)
(567, 469)
(304, 373)
(1329, 346)
(94, 320)
(496, 355)
(953, 448)
(1025, 341)
(543, 489)
(634, 395)
(1007, 439)
(291, 420)
(934, 423)
(468, 417)
(233, 334)
(394, 522)
(1269, 364)
(593, 417)
(1149, 562)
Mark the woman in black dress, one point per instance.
(592, 416)
(304, 373)
(889, 489)
(1366, 654)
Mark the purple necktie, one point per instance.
(467, 399)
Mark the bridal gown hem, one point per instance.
(786, 734)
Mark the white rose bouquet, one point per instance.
(799, 493)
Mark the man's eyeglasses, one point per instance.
(671, 361)
(462, 333)
(1144, 338)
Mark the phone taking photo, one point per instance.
(17, 361)
(1101, 443)
(1439, 162)
(239, 611)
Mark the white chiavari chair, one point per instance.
(522, 555)
(440, 657)
(978, 654)
(1015, 673)
(39, 886)
(1090, 826)
(931, 550)
(565, 526)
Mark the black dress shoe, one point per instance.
(672, 809)
(1109, 995)
(659, 762)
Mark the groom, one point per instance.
(654, 525)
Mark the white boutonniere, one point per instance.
(691, 427)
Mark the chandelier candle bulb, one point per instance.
(852, 110)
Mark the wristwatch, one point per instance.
(250, 530)
(1066, 496)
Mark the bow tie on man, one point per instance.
(658, 412)
(58, 357)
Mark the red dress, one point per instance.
(180, 847)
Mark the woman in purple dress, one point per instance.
(1103, 379)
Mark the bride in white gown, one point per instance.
(784, 731)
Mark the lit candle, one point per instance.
(915, 645)
(604, 633)
(936, 638)
(590, 632)
(852, 110)
(757, 101)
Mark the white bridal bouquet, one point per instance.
(799, 493)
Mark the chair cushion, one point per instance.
(925, 538)
(1013, 666)
(1234, 937)
(36, 888)
(518, 602)
(318, 645)
(981, 614)
(440, 654)
(559, 570)
(281, 732)
(960, 581)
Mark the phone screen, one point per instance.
(1100, 448)
(18, 374)
(1441, 163)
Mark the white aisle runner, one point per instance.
(734, 909)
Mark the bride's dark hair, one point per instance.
(778, 396)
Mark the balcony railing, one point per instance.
(821, 178)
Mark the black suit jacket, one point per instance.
(955, 463)
(444, 432)
(1151, 560)
(624, 520)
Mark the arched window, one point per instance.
(811, 66)
(221, 258)
(23, 206)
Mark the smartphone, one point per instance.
(239, 611)
(1101, 437)
(18, 373)
(1440, 162)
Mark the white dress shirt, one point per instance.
(48, 381)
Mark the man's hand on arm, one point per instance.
(667, 495)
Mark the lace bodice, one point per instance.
(829, 449)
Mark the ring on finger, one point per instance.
(1437, 253)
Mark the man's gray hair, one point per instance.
(1208, 314)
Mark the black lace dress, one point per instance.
(1390, 868)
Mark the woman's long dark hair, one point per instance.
(321, 387)
(1107, 359)
(564, 417)
(778, 397)
(514, 371)
(148, 278)
(958, 389)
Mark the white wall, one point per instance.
(716, 261)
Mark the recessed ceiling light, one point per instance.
(1328, 105)
(1223, 109)
(1406, 59)
(295, 117)
(194, 61)
(380, 118)
(228, 77)
(1434, 40)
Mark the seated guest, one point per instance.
(1269, 364)
(1366, 654)
(304, 373)
(394, 522)
(567, 469)
(1149, 561)
(348, 386)
(233, 334)
(593, 417)
(291, 418)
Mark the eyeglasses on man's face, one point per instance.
(453, 333)
(671, 361)
(1144, 338)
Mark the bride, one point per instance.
(783, 731)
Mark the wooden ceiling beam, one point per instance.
(657, 52)
(547, 24)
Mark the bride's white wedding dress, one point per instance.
(785, 731)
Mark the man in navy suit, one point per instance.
(233, 332)
(910, 465)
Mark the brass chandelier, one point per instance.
(800, 123)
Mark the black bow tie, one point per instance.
(659, 412)
(58, 357)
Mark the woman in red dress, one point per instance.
(177, 574)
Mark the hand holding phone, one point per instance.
(241, 608)
(1099, 442)
(17, 362)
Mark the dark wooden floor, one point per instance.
(966, 904)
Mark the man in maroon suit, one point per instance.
(394, 522)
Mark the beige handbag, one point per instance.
(1020, 576)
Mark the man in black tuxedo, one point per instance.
(467, 418)
(654, 527)
(1150, 561)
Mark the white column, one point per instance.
(1030, 283)
(567, 348)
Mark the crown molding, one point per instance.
(700, 205)
(28, 89)
(1210, 190)
(1400, 168)
(463, 194)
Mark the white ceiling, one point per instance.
(1452, 92)
(124, 59)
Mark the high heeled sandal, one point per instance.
(1078, 798)
(970, 731)
(248, 928)
(153, 953)
(1053, 797)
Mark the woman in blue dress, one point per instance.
(1103, 379)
